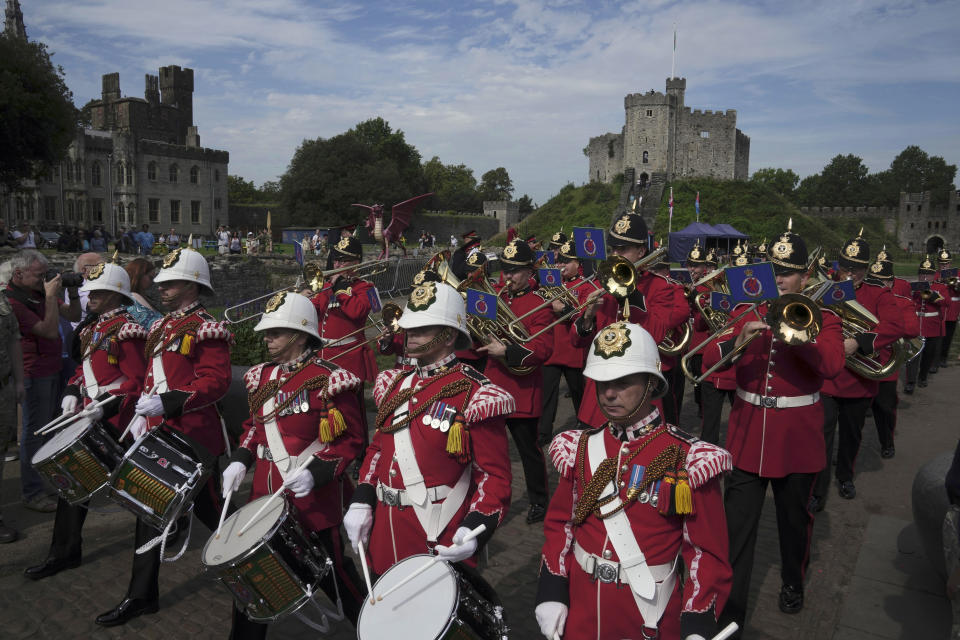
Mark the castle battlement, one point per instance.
(649, 99)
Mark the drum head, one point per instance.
(422, 608)
(229, 545)
(62, 439)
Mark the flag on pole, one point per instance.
(298, 252)
(696, 203)
(670, 221)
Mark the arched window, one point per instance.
(646, 157)
(121, 213)
(194, 174)
(96, 176)
(71, 211)
(130, 169)
(79, 170)
(216, 175)
(152, 171)
(120, 173)
(174, 173)
(69, 170)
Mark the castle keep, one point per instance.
(661, 136)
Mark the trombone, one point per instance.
(311, 276)
(389, 323)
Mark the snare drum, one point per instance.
(272, 569)
(79, 459)
(445, 602)
(159, 476)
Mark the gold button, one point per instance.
(624, 468)
(393, 473)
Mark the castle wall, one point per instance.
(741, 165)
(648, 129)
(605, 154)
(706, 143)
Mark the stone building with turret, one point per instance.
(664, 137)
(139, 162)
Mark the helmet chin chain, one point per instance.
(440, 338)
(631, 417)
(293, 336)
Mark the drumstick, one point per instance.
(366, 571)
(727, 631)
(223, 514)
(470, 536)
(273, 496)
(63, 419)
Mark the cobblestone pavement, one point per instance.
(195, 606)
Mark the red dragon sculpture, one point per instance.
(401, 214)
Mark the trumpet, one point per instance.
(311, 276)
(388, 324)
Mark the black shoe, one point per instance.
(536, 513)
(126, 611)
(932, 370)
(7, 534)
(791, 599)
(847, 490)
(51, 566)
(921, 383)
(888, 452)
(815, 505)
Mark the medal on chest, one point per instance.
(440, 416)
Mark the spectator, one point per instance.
(145, 240)
(98, 243)
(453, 242)
(67, 242)
(25, 236)
(82, 243)
(6, 238)
(235, 246)
(37, 306)
(252, 243)
(317, 240)
(173, 240)
(11, 393)
(223, 240)
(141, 272)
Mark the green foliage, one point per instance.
(38, 119)
(241, 191)
(454, 187)
(914, 171)
(248, 348)
(783, 181)
(495, 185)
(525, 205)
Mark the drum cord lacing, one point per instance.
(162, 540)
(326, 614)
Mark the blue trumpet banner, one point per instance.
(839, 292)
(547, 256)
(752, 283)
(550, 277)
(482, 304)
(591, 243)
(721, 301)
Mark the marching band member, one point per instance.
(634, 496)
(775, 433)
(652, 305)
(672, 402)
(951, 312)
(111, 364)
(470, 355)
(566, 360)
(301, 407)
(188, 371)
(518, 260)
(848, 395)
(438, 465)
(458, 259)
(885, 403)
(697, 267)
(929, 305)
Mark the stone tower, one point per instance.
(176, 90)
(13, 21)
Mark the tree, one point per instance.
(843, 182)
(38, 119)
(783, 181)
(454, 187)
(496, 185)
(270, 191)
(914, 171)
(242, 191)
(525, 204)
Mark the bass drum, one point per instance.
(446, 602)
(79, 459)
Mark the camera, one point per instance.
(68, 279)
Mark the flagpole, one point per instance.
(673, 61)
(670, 219)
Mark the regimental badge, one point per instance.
(556, 237)
(852, 250)
(96, 272)
(566, 249)
(926, 264)
(882, 255)
(418, 279)
(423, 296)
(695, 254)
(783, 249)
(510, 251)
(762, 248)
(622, 225)
(741, 261)
(171, 258)
(944, 256)
(275, 302)
(822, 261)
(343, 244)
(612, 341)
(751, 286)
(876, 267)
(589, 246)
(472, 260)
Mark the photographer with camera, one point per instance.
(35, 295)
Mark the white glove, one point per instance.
(69, 404)
(694, 636)
(94, 412)
(551, 616)
(300, 484)
(138, 427)
(232, 477)
(150, 406)
(459, 550)
(358, 522)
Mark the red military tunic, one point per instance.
(112, 355)
(931, 312)
(601, 610)
(879, 301)
(565, 354)
(652, 306)
(527, 388)
(441, 391)
(332, 388)
(953, 310)
(194, 351)
(342, 309)
(775, 442)
(909, 322)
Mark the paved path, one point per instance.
(868, 577)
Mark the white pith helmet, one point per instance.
(437, 303)
(108, 277)
(185, 264)
(288, 310)
(621, 349)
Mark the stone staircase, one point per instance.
(651, 195)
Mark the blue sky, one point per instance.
(524, 84)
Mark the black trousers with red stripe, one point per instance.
(743, 501)
(885, 412)
(343, 580)
(525, 434)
